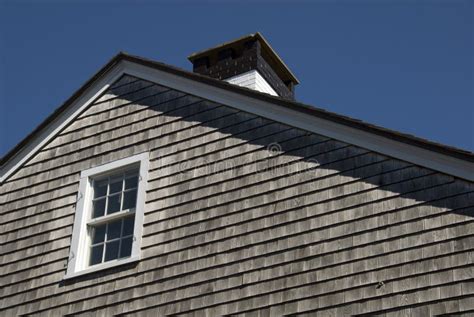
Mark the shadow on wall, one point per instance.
(215, 168)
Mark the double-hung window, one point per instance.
(113, 216)
(109, 215)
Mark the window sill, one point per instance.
(101, 267)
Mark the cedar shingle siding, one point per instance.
(243, 215)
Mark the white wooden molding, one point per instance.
(80, 238)
(413, 154)
(61, 121)
(252, 80)
(410, 153)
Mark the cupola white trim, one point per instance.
(252, 80)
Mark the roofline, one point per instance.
(257, 36)
(292, 105)
(203, 52)
(311, 110)
(99, 74)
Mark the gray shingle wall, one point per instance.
(243, 216)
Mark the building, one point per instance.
(155, 191)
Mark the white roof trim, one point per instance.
(410, 153)
(60, 122)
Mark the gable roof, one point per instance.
(445, 158)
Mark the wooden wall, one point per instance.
(243, 216)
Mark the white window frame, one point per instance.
(78, 255)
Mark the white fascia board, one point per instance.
(413, 154)
(60, 122)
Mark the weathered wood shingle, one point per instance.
(244, 216)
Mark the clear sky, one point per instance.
(406, 65)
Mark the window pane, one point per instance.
(128, 226)
(98, 234)
(131, 182)
(111, 250)
(126, 247)
(115, 186)
(100, 188)
(96, 254)
(130, 173)
(114, 203)
(98, 208)
(113, 230)
(129, 199)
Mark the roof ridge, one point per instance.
(293, 105)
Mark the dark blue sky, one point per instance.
(405, 65)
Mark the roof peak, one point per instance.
(447, 159)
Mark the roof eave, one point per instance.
(311, 110)
(112, 67)
(109, 65)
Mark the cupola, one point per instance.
(249, 62)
